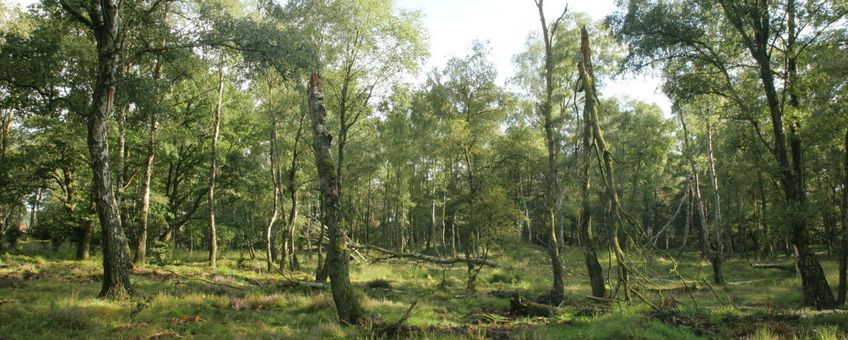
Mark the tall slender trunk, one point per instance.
(347, 303)
(718, 250)
(275, 179)
(593, 266)
(369, 213)
(557, 293)
(213, 170)
(292, 181)
(5, 133)
(141, 250)
(813, 281)
(432, 226)
(695, 187)
(6, 117)
(121, 165)
(86, 231)
(604, 157)
(33, 214)
(3, 223)
(688, 221)
(105, 21)
(122, 170)
(843, 256)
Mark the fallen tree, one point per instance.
(523, 307)
(786, 267)
(427, 258)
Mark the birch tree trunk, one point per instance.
(718, 250)
(604, 157)
(843, 255)
(593, 266)
(141, 250)
(105, 22)
(557, 293)
(347, 303)
(213, 171)
(86, 231)
(275, 178)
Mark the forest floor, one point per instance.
(47, 296)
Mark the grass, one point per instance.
(43, 295)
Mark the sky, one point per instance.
(453, 25)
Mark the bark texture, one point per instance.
(551, 176)
(753, 24)
(843, 255)
(604, 158)
(141, 248)
(105, 21)
(593, 266)
(213, 172)
(348, 304)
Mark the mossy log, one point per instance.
(523, 307)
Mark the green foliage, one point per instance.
(161, 252)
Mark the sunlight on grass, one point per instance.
(49, 296)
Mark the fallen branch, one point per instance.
(739, 283)
(307, 284)
(201, 279)
(428, 258)
(599, 299)
(790, 268)
(406, 315)
(392, 330)
(685, 287)
(707, 283)
(523, 307)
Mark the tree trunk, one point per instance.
(4, 226)
(5, 132)
(213, 170)
(604, 155)
(557, 293)
(593, 266)
(86, 231)
(292, 181)
(33, 214)
(816, 289)
(141, 250)
(431, 228)
(275, 179)
(105, 22)
(347, 303)
(121, 166)
(695, 187)
(718, 250)
(843, 255)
